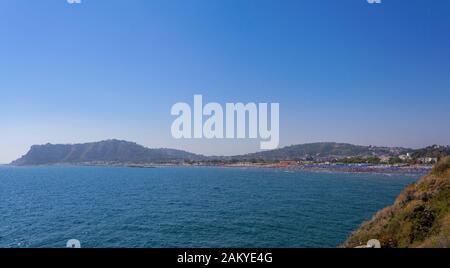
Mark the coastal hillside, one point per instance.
(323, 150)
(420, 216)
(434, 151)
(109, 151)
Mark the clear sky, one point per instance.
(343, 71)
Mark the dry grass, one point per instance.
(442, 169)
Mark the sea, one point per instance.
(119, 207)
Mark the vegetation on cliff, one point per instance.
(420, 216)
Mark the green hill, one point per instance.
(323, 150)
(420, 217)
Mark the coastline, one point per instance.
(313, 167)
(383, 169)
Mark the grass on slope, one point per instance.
(420, 216)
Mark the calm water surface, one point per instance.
(187, 207)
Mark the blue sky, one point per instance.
(343, 71)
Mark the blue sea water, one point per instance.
(187, 207)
